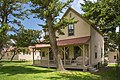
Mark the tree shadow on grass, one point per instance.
(108, 73)
(75, 76)
(13, 70)
(69, 77)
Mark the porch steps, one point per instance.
(92, 69)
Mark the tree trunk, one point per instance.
(119, 43)
(53, 44)
(13, 56)
(2, 55)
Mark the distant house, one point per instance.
(112, 56)
(22, 56)
(81, 46)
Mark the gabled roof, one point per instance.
(87, 21)
(65, 42)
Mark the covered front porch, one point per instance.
(75, 53)
(73, 56)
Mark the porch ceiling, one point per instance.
(74, 41)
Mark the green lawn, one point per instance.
(25, 71)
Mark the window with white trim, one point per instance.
(70, 29)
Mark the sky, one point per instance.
(32, 22)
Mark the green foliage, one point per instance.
(105, 15)
(44, 9)
(24, 37)
(11, 13)
(102, 13)
(49, 10)
(3, 36)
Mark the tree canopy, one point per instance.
(105, 14)
(11, 14)
(24, 37)
(49, 10)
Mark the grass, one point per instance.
(25, 71)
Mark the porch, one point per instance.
(73, 56)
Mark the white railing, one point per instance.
(48, 63)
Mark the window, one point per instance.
(35, 53)
(95, 49)
(101, 52)
(43, 54)
(114, 57)
(29, 53)
(70, 29)
(95, 55)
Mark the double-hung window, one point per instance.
(70, 29)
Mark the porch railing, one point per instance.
(52, 63)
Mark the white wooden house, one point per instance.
(81, 46)
(22, 56)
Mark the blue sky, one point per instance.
(32, 22)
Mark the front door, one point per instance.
(77, 52)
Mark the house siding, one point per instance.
(81, 28)
(28, 56)
(111, 56)
(97, 45)
(22, 56)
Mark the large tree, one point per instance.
(23, 37)
(11, 14)
(49, 10)
(3, 38)
(105, 14)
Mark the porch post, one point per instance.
(48, 57)
(89, 54)
(64, 55)
(83, 55)
(33, 57)
(40, 54)
(41, 57)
